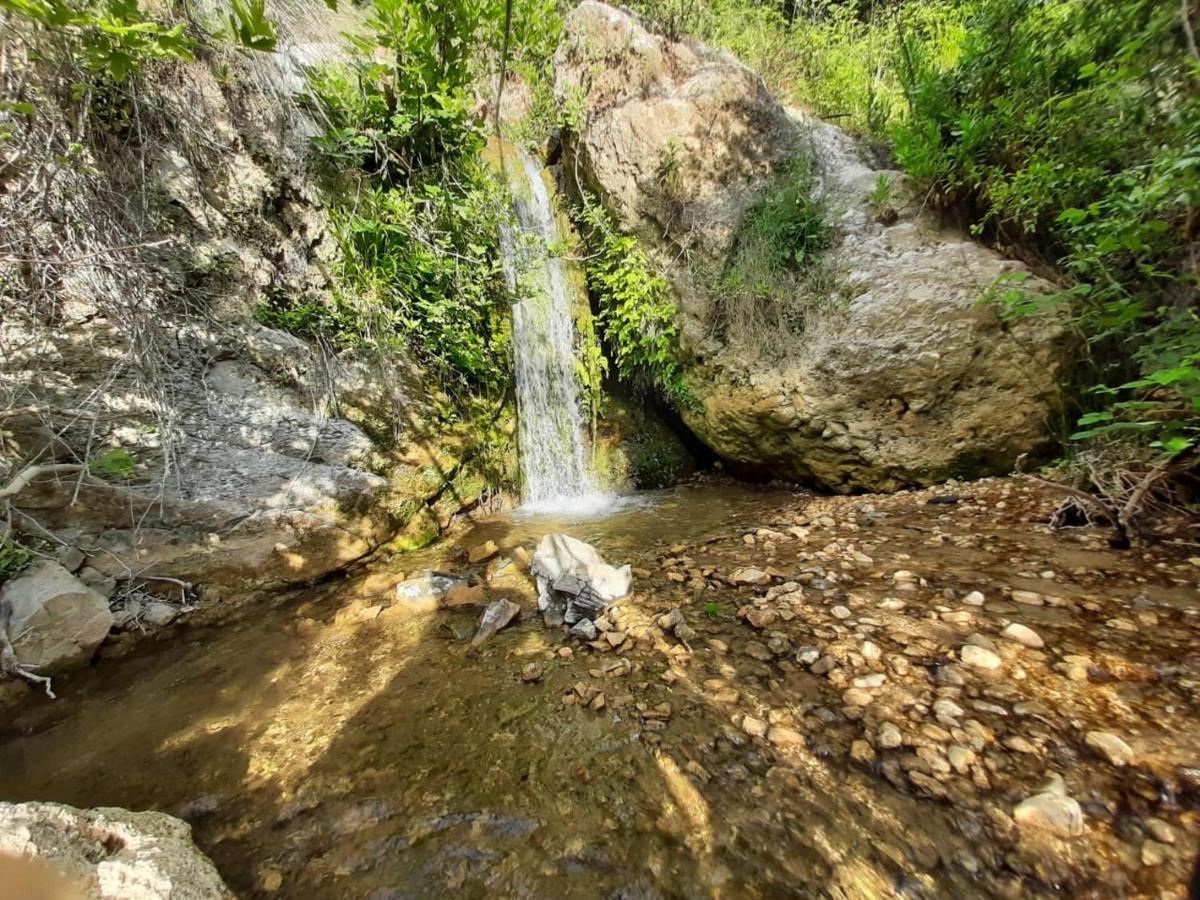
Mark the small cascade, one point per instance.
(555, 463)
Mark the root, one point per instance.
(9, 664)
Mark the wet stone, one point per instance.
(1109, 746)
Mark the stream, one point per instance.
(322, 752)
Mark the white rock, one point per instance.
(1023, 635)
(750, 575)
(561, 554)
(113, 853)
(979, 658)
(1051, 811)
(1111, 747)
(975, 598)
(889, 736)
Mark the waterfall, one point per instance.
(555, 465)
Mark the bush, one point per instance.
(1071, 128)
(417, 224)
(636, 308)
(775, 279)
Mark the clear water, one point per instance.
(555, 463)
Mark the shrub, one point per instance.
(636, 306)
(1071, 128)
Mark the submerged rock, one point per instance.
(111, 853)
(495, 617)
(1051, 811)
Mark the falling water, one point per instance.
(555, 466)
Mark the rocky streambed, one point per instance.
(922, 694)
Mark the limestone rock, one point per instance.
(1052, 811)
(481, 552)
(56, 621)
(1111, 747)
(914, 380)
(113, 854)
(495, 617)
(979, 657)
(1023, 635)
(749, 575)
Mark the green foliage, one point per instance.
(838, 60)
(1073, 127)
(115, 465)
(655, 461)
(250, 26)
(789, 223)
(774, 280)
(712, 609)
(636, 307)
(13, 558)
(418, 221)
(113, 39)
(882, 192)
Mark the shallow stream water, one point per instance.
(330, 757)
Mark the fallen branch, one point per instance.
(26, 476)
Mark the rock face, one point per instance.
(112, 853)
(55, 621)
(220, 451)
(899, 375)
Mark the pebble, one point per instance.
(1023, 635)
(758, 650)
(947, 709)
(1052, 810)
(874, 680)
(1111, 747)
(961, 758)
(1018, 744)
(1154, 853)
(979, 658)
(889, 736)
(975, 598)
(782, 736)
(1160, 831)
(754, 726)
(857, 697)
(840, 612)
(532, 672)
(870, 651)
(750, 575)
(823, 666)
(1029, 598)
(480, 552)
(862, 752)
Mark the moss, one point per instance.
(635, 448)
(421, 531)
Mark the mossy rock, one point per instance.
(635, 448)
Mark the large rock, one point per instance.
(55, 621)
(108, 853)
(900, 375)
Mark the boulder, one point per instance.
(898, 374)
(55, 621)
(108, 853)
